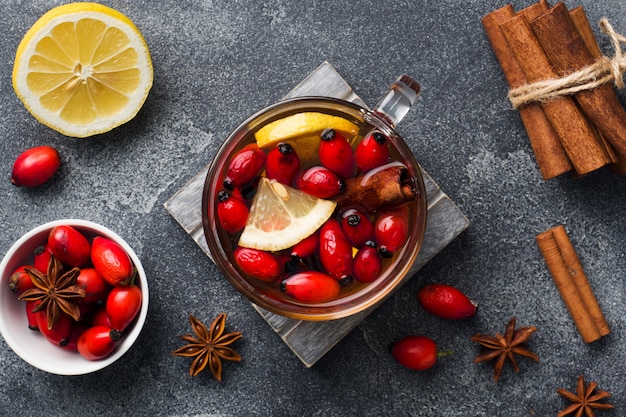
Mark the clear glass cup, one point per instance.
(383, 117)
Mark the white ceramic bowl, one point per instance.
(31, 345)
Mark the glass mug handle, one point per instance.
(399, 98)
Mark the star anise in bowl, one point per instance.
(209, 346)
(502, 348)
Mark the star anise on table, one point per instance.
(500, 348)
(585, 399)
(209, 346)
(56, 290)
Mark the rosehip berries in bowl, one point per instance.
(60, 357)
(35, 166)
(446, 301)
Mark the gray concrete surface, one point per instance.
(218, 61)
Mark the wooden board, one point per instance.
(307, 339)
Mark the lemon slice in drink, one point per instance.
(281, 216)
(83, 69)
(302, 131)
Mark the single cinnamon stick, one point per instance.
(568, 53)
(579, 17)
(383, 187)
(578, 137)
(572, 283)
(549, 154)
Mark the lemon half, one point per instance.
(302, 131)
(281, 216)
(83, 69)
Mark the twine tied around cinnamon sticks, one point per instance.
(603, 71)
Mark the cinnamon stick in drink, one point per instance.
(568, 53)
(572, 283)
(549, 154)
(577, 136)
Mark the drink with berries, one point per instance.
(315, 208)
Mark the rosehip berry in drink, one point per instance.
(391, 231)
(232, 212)
(69, 246)
(41, 258)
(35, 166)
(306, 247)
(258, 264)
(371, 152)
(358, 228)
(311, 287)
(282, 163)
(335, 252)
(415, 352)
(336, 154)
(446, 301)
(20, 281)
(245, 166)
(367, 264)
(320, 182)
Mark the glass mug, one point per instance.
(354, 297)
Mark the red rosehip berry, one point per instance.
(372, 152)
(20, 280)
(282, 163)
(232, 212)
(306, 247)
(245, 166)
(391, 231)
(311, 287)
(320, 182)
(335, 252)
(35, 166)
(259, 264)
(415, 352)
(367, 264)
(41, 258)
(358, 228)
(336, 154)
(446, 301)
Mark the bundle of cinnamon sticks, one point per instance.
(576, 133)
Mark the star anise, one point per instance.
(209, 347)
(584, 400)
(56, 290)
(500, 348)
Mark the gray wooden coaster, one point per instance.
(310, 340)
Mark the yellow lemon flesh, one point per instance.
(83, 69)
(281, 216)
(302, 131)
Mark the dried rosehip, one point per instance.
(336, 154)
(35, 166)
(371, 152)
(282, 163)
(320, 182)
(391, 231)
(367, 264)
(311, 287)
(358, 228)
(232, 212)
(258, 264)
(245, 166)
(335, 252)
